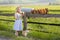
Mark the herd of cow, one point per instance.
(40, 11)
(34, 11)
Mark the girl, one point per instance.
(18, 21)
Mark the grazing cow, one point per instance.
(42, 11)
(46, 10)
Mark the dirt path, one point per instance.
(4, 38)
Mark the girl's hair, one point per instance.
(17, 9)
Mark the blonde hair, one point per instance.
(17, 9)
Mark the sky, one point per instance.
(27, 1)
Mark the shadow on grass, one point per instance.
(43, 31)
(6, 20)
(1, 14)
(44, 23)
(33, 22)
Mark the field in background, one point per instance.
(47, 29)
(53, 9)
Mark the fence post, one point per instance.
(25, 22)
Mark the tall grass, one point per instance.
(42, 31)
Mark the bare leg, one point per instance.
(16, 33)
(24, 33)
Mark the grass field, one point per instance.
(52, 9)
(42, 31)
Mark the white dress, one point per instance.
(18, 22)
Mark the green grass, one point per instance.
(52, 31)
(45, 20)
(11, 9)
(45, 36)
(38, 32)
(6, 30)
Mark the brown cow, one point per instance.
(46, 10)
(40, 11)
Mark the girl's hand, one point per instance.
(23, 14)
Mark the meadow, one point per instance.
(47, 29)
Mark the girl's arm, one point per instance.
(22, 13)
(15, 16)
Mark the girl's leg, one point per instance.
(24, 33)
(16, 33)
